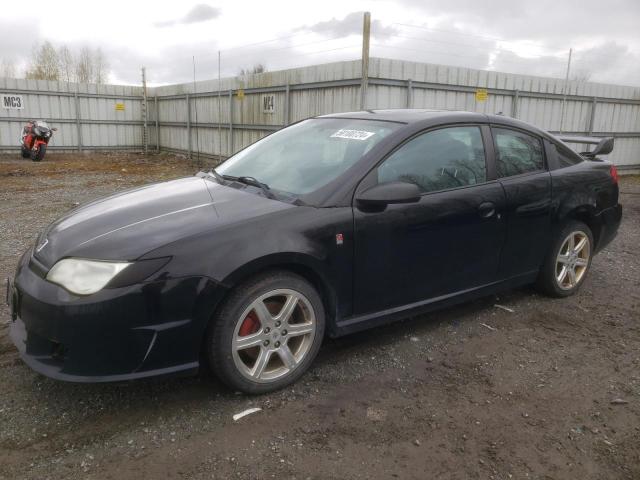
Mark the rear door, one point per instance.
(522, 171)
(448, 241)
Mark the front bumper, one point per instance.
(118, 334)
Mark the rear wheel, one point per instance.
(267, 333)
(568, 262)
(38, 154)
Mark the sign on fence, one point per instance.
(481, 95)
(268, 103)
(12, 101)
(120, 106)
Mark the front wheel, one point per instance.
(38, 154)
(26, 153)
(568, 262)
(267, 333)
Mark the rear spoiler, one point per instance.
(604, 145)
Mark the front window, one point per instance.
(308, 155)
(438, 160)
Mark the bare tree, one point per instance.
(67, 64)
(84, 66)
(100, 67)
(45, 64)
(257, 68)
(8, 68)
(87, 66)
(582, 75)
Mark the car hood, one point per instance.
(129, 224)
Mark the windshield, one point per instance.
(42, 124)
(308, 155)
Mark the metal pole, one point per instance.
(230, 139)
(566, 87)
(188, 127)
(219, 114)
(409, 93)
(195, 110)
(366, 34)
(145, 139)
(286, 104)
(78, 129)
(592, 117)
(155, 101)
(514, 107)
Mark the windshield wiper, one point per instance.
(255, 183)
(217, 176)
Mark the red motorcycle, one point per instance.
(35, 138)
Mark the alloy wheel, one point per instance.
(572, 260)
(273, 335)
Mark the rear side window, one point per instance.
(566, 157)
(438, 160)
(517, 152)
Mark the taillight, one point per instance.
(614, 174)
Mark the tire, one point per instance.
(552, 279)
(25, 152)
(277, 357)
(38, 155)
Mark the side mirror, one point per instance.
(54, 129)
(388, 193)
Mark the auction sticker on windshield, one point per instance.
(352, 134)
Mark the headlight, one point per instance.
(84, 277)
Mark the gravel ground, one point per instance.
(550, 390)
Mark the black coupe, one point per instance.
(332, 225)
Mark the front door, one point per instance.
(447, 242)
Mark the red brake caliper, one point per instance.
(250, 325)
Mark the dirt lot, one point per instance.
(550, 390)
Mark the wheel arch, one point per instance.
(303, 265)
(587, 215)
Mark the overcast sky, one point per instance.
(531, 37)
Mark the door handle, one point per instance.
(487, 209)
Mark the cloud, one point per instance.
(547, 21)
(349, 25)
(14, 47)
(199, 13)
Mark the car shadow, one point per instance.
(143, 399)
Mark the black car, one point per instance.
(333, 225)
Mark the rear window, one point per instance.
(517, 152)
(566, 157)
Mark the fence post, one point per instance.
(409, 93)
(364, 81)
(78, 130)
(592, 117)
(188, 127)
(230, 141)
(145, 115)
(514, 106)
(155, 101)
(286, 104)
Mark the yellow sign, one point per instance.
(240, 94)
(481, 94)
(120, 106)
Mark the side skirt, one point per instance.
(358, 323)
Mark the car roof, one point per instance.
(408, 115)
(435, 117)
